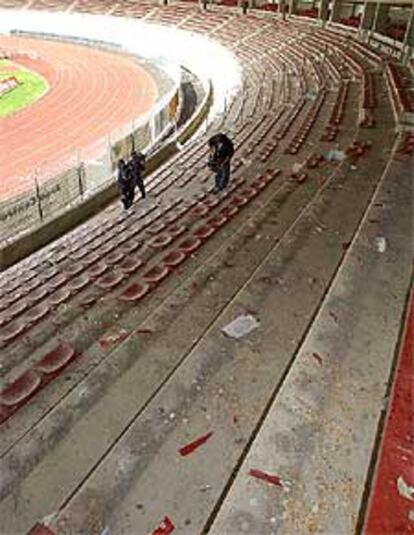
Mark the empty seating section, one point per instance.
(401, 89)
(291, 73)
(332, 128)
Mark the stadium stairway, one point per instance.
(126, 406)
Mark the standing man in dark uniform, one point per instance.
(221, 152)
(137, 166)
(126, 184)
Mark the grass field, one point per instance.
(32, 87)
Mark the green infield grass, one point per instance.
(32, 87)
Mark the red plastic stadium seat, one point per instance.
(190, 244)
(156, 274)
(129, 246)
(135, 292)
(174, 258)
(205, 231)
(239, 201)
(229, 211)
(109, 281)
(131, 264)
(36, 313)
(80, 253)
(160, 241)
(8, 333)
(57, 280)
(90, 259)
(60, 296)
(41, 529)
(217, 221)
(211, 202)
(20, 389)
(37, 295)
(72, 268)
(97, 269)
(49, 273)
(17, 308)
(259, 183)
(56, 359)
(249, 192)
(156, 228)
(89, 299)
(200, 210)
(176, 230)
(4, 318)
(105, 248)
(77, 284)
(114, 257)
(31, 285)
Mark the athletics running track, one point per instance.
(92, 93)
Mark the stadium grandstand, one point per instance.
(213, 360)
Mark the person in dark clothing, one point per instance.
(126, 184)
(137, 166)
(221, 152)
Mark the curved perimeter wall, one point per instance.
(166, 47)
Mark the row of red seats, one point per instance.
(307, 12)
(369, 99)
(26, 385)
(23, 388)
(337, 114)
(304, 129)
(353, 21)
(406, 145)
(400, 83)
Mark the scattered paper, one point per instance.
(405, 490)
(241, 326)
(381, 244)
(334, 155)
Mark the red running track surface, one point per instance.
(92, 93)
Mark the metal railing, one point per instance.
(56, 185)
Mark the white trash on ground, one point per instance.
(241, 326)
(381, 244)
(297, 167)
(404, 489)
(334, 155)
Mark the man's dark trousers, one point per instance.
(223, 176)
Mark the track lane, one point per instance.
(92, 93)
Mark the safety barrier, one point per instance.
(57, 186)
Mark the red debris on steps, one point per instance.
(40, 529)
(189, 448)
(317, 357)
(333, 316)
(115, 336)
(165, 528)
(268, 478)
(144, 331)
